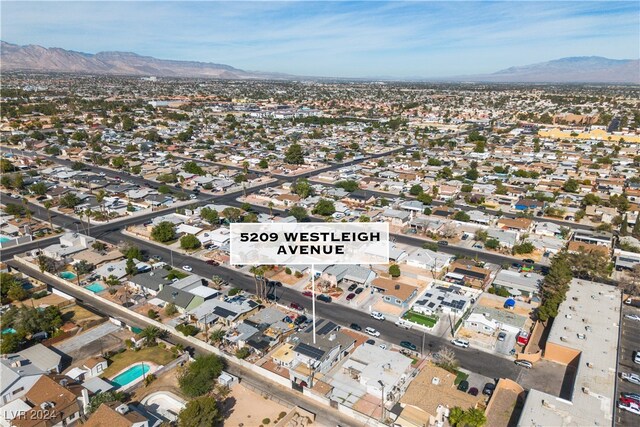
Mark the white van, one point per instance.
(401, 323)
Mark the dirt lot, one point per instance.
(247, 408)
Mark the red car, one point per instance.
(351, 296)
(627, 401)
(296, 306)
(212, 262)
(307, 293)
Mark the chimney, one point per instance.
(332, 337)
(85, 400)
(122, 409)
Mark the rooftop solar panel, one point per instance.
(309, 351)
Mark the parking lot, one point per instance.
(629, 342)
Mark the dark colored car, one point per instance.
(528, 261)
(408, 345)
(355, 327)
(272, 297)
(443, 243)
(212, 262)
(307, 293)
(300, 320)
(351, 296)
(371, 342)
(323, 298)
(352, 287)
(296, 306)
(488, 389)
(473, 391)
(463, 385)
(358, 291)
(516, 265)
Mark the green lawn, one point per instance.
(155, 354)
(460, 376)
(422, 319)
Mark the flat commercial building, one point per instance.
(585, 335)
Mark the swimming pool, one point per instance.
(130, 375)
(96, 287)
(9, 331)
(67, 275)
(4, 239)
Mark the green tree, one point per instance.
(39, 188)
(263, 164)
(474, 417)
(364, 218)
(163, 232)
(523, 248)
(151, 334)
(130, 267)
(118, 162)
(492, 243)
(472, 174)
(571, 186)
(198, 377)
(10, 343)
(192, 167)
(299, 213)
(339, 156)
(394, 270)
(324, 207)
(348, 185)
(210, 215)
(6, 166)
(69, 200)
(127, 123)
(105, 397)
(456, 415)
(243, 352)
(462, 216)
(217, 336)
(189, 241)
(302, 188)
(232, 214)
(294, 155)
(416, 190)
(200, 412)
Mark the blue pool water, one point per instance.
(96, 287)
(67, 275)
(4, 239)
(130, 375)
(9, 331)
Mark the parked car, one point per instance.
(524, 364)
(488, 389)
(632, 317)
(352, 287)
(473, 391)
(636, 357)
(463, 385)
(631, 377)
(383, 346)
(355, 327)
(296, 306)
(193, 196)
(634, 396)
(634, 408)
(212, 262)
(156, 258)
(502, 336)
(458, 342)
(273, 297)
(516, 266)
(323, 298)
(351, 296)
(300, 320)
(371, 342)
(187, 268)
(359, 291)
(408, 345)
(307, 293)
(403, 324)
(371, 331)
(528, 261)
(443, 243)
(377, 315)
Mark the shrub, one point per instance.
(234, 291)
(298, 274)
(287, 270)
(243, 353)
(266, 421)
(394, 270)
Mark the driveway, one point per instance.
(77, 342)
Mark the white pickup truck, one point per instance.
(403, 324)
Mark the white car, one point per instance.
(632, 378)
(377, 315)
(193, 196)
(632, 317)
(187, 268)
(458, 342)
(372, 332)
(631, 407)
(383, 346)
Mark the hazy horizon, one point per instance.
(335, 39)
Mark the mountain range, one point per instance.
(582, 69)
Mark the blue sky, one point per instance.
(347, 39)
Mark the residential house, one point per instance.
(443, 298)
(43, 357)
(348, 275)
(150, 282)
(116, 414)
(395, 292)
(183, 300)
(429, 260)
(70, 243)
(519, 284)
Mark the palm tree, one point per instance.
(47, 206)
(88, 213)
(150, 335)
(27, 212)
(112, 280)
(217, 335)
(81, 215)
(245, 167)
(271, 205)
(456, 415)
(100, 195)
(474, 418)
(257, 271)
(216, 281)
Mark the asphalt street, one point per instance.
(629, 343)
